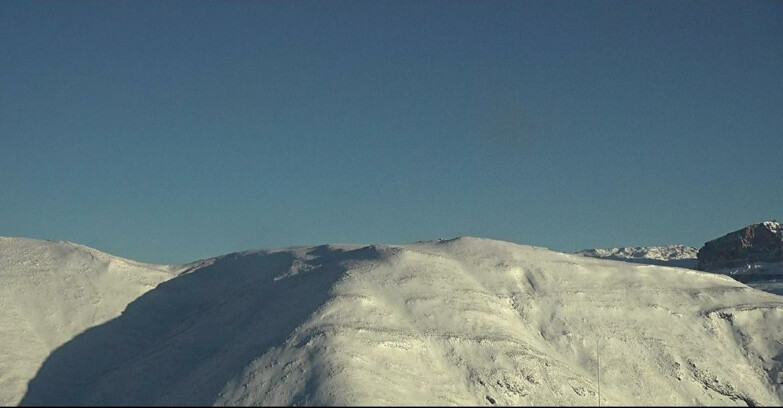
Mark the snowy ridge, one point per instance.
(775, 227)
(52, 291)
(465, 321)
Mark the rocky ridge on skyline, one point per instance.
(761, 242)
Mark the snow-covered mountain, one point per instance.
(463, 321)
(680, 256)
(51, 292)
(756, 243)
(752, 255)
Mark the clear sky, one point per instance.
(172, 131)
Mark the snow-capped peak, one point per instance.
(774, 226)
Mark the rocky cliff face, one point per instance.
(755, 243)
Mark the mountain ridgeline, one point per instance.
(753, 244)
(466, 321)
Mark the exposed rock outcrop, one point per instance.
(755, 243)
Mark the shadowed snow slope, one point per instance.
(52, 291)
(463, 321)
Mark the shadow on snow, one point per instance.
(181, 342)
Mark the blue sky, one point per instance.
(172, 131)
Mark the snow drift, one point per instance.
(466, 321)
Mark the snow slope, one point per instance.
(52, 291)
(760, 275)
(463, 321)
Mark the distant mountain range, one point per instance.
(680, 256)
(752, 255)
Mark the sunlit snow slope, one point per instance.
(51, 292)
(464, 321)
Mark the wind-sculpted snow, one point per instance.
(466, 321)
